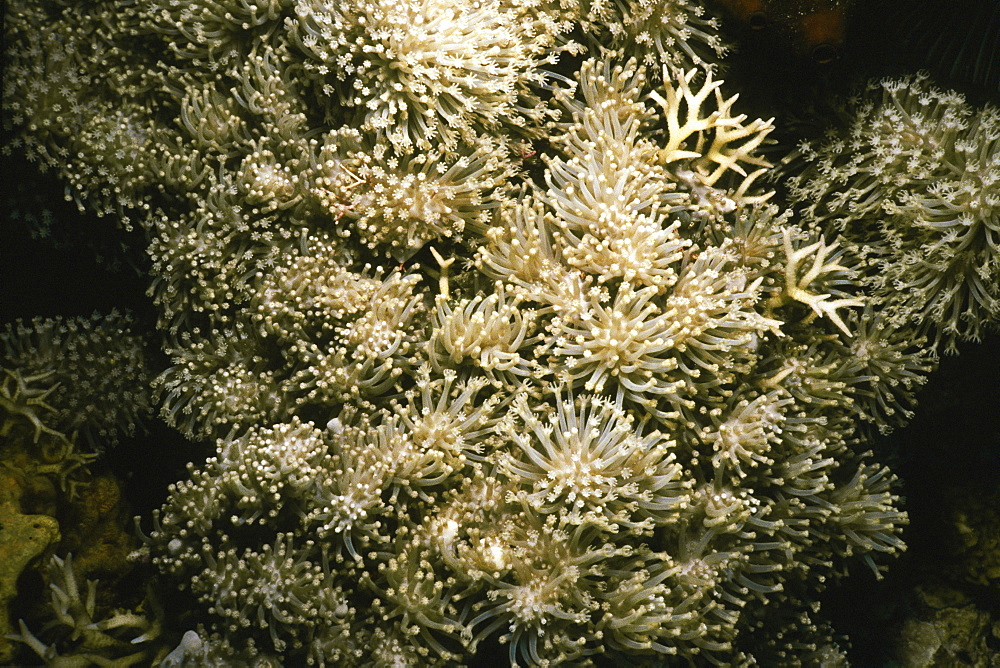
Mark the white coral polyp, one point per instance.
(628, 339)
(425, 72)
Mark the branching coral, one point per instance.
(675, 426)
(84, 635)
(632, 303)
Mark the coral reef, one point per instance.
(91, 375)
(496, 331)
(65, 381)
(22, 538)
(948, 630)
(913, 185)
(94, 638)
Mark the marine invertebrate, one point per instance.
(885, 368)
(678, 33)
(630, 303)
(70, 388)
(912, 186)
(91, 375)
(214, 383)
(487, 331)
(423, 72)
(81, 632)
(587, 460)
(404, 200)
(546, 447)
(597, 404)
(368, 352)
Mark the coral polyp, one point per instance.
(489, 327)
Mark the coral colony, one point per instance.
(501, 340)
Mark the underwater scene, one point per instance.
(406, 333)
